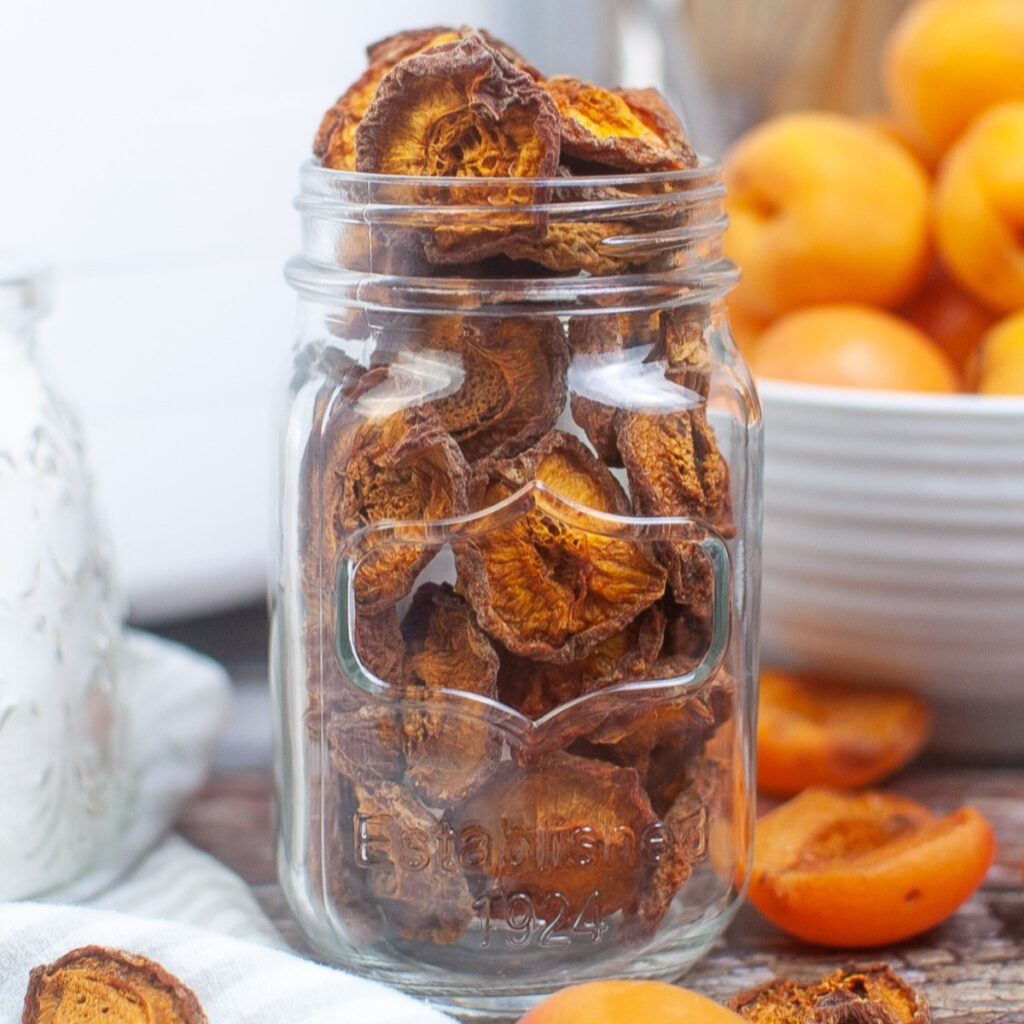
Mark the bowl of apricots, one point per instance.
(881, 309)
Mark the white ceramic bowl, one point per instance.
(894, 549)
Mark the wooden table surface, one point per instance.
(971, 968)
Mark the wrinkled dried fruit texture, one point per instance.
(536, 687)
(420, 896)
(333, 848)
(462, 110)
(687, 824)
(543, 587)
(630, 130)
(378, 645)
(569, 826)
(512, 372)
(394, 48)
(365, 744)
(684, 348)
(335, 139)
(449, 750)
(94, 983)
(573, 245)
(607, 351)
(459, 109)
(873, 994)
(402, 466)
(659, 735)
(675, 468)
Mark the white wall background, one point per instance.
(150, 152)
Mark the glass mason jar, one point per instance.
(515, 610)
(62, 724)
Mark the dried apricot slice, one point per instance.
(400, 465)
(632, 130)
(872, 994)
(508, 377)
(460, 108)
(546, 588)
(569, 835)
(823, 732)
(335, 142)
(865, 869)
(448, 752)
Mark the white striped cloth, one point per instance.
(236, 982)
(157, 895)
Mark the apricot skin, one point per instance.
(823, 208)
(625, 1001)
(868, 869)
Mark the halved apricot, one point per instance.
(822, 732)
(622, 1001)
(865, 869)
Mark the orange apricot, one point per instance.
(945, 61)
(846, 345)
(615, 1001)
(999, 366)
(823, 732)
(865, 869)
(951, 317)
(978, 207)
(823, 208)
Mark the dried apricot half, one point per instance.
(865, 869)
(823, 732)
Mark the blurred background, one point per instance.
(150, 154)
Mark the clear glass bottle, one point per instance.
(514, 617)
(62, 724)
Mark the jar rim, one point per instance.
(628, 221)
(707, 169)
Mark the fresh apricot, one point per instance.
(951, 317)
(865, 869)
(823, 208)
(852, 346)
(615, 1001)
(946, 61)
(1000, 358)
(825, 732)
(978, 208)
(746, 328)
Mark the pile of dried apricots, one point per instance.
(887, 252)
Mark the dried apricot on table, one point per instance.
(97, 983)
(872, 994)
(865, 869)
(813, 731)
